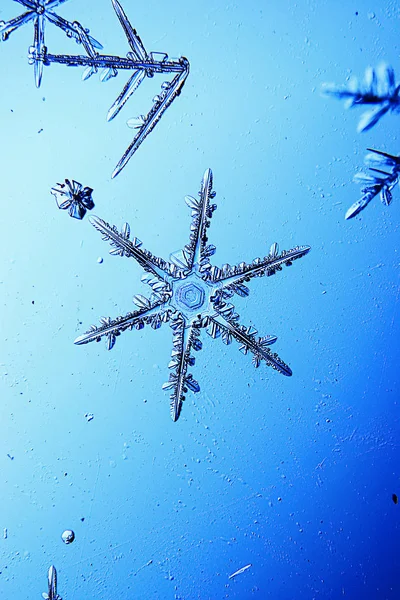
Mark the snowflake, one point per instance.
(191, 294)
(73, 197)
(138, 61)
(39, 11)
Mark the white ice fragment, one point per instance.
(240, 571)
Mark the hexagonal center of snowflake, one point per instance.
(190, 295)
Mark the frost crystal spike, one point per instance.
(191, 294)
(138, 62)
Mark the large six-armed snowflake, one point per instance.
(191, 294)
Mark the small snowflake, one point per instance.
(70, 195)
(191, 294)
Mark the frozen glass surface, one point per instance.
(267, 486)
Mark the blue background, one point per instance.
(295, 475)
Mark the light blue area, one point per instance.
(293, 475)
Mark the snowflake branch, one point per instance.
(383, 176)
(161, 103)
(233, 277)
(228, 328)
(148, 314)
(123, 246)
(134, 40)
(379, 88)
(185, 339)
(196, 251)
(7, 27)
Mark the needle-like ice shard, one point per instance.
(240, 571)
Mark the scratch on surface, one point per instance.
(149, 562)
(353, 434)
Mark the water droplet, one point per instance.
(68, 536)
(100, 260)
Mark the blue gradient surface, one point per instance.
(293, 475)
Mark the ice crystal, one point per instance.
(40, 11)
(191, 294)
(382, 177)
(52, 585)
(138, 62)
(379, 89)
(73, 197)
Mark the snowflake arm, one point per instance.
(134, 40)
(129, 88)
(147, 123)
(70, 28)
(149, 313)
(196, 253)
(38, 49)
(229, 329)
(138, 53)
(7, 27)
(232, 278)
(123, 246)
(185, 339)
